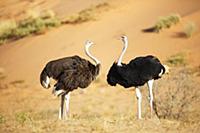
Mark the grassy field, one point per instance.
(104, 109)
(25, 107)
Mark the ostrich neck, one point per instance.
(91, 56)
(119, 62)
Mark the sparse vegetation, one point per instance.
(164, 23)
(6, 28)
(195, 71)
(189, 29)
(167, 22)
(84, 15)
(2, 119)
(22, 117)
(38, 23)
(33, 24)
(177, 60)
(174, 100)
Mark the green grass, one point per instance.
(166, 22)
(22, 117)
(37, 23)
(177, 59)
(33, 24)
(6, 29)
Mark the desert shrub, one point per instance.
(174, 98)
(33, 24)
(177, 60)
(84, 15)
(167, 22)
(37, 23)
(6, 28)
(80, 17)
(189, 29)
(164, 22)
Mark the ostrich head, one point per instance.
(124, 38)
(125, 42)
(88, 43)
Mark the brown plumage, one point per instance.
(70, 73)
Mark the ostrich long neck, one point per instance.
(92, 57)
(119, 62)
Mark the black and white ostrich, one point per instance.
(70, 73)
(136, 73)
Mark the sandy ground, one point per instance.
(23, 60)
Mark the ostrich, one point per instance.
(70, 73)
(136, 73)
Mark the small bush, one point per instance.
(33, 24)
(6, 29)
(167, 22)
(164, 23)
(189, 29)
(37, 23)
(176, 98)
(177, 60)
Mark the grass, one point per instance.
(176, 98)
(85, 15)
(164, 22)
(22, 117)
(37, 23)
(6, 28)
(177, 60)
(104, 109)
(167, 21)
(195, 71)
(33, 24)
(189, 29)
(2, 119)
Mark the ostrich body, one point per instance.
(70, 73)
(136, 73)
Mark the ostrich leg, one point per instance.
(150, 87)
(61, 110)
(67, 98)
(139, 99)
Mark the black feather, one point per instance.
(136, 73)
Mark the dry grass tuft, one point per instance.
(164, 22)
(85, 15)
(34, 23)
(38, 23)
(176, 98)
(177, 60)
